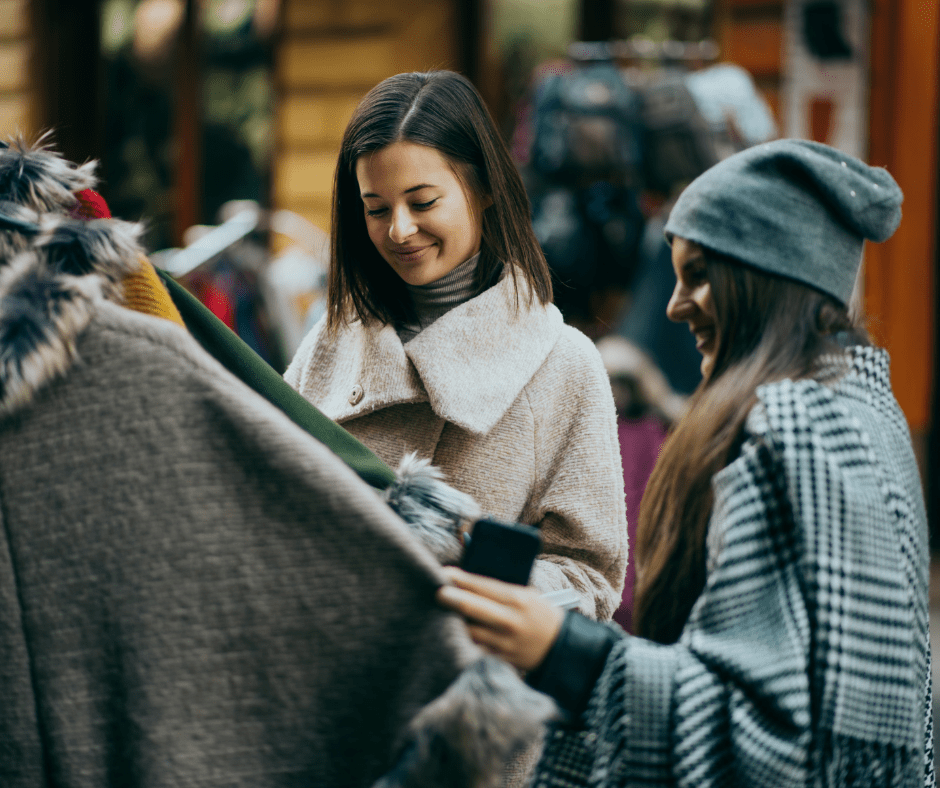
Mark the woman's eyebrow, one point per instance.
(407, 191)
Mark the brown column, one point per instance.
(899, 279)
(64, 75)
(188, 160)
(597, 20)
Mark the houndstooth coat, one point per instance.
(805, 662)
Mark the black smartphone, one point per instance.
(505, 551)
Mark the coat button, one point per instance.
(355, 396)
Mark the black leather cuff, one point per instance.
(574, 663)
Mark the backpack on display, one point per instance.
(586, 125)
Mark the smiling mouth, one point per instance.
(409, 254)
(703, 337)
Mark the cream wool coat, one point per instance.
(512, 404)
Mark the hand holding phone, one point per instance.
(504, 551)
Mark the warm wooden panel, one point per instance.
(12, 18)
(428, 39)
(772, 97)
(14, 116)
(13, 66)
(756, 46)
(320, 14)
(306, 120)
(899, 283)
(302, 176)
(330, 54)
(769, 6)
(335, 62)
(317, 213)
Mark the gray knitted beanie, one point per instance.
(791, 207)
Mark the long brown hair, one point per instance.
(442, 110)
(769, 328)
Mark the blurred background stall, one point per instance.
(228, 113)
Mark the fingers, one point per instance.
(476, 608)
(497, 590)
(510, 621)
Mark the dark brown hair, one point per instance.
(769, 328)
(442, 110)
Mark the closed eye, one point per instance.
(694, 274)
(375, 211)
(423, 206)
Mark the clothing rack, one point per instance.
(179, 262)
(639, 48)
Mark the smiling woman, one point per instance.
(692, 301)
(781, 610)
(440, 338)
(422, 230)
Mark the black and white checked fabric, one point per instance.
(805, 662)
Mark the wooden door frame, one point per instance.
(900, 273)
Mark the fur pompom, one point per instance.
(36, 176)
(435, 511)
(108, 247)
(465, 738)
(13, 238)
(40, 317)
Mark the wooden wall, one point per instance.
(330, 54)
(16, 107)
(750, 34)
(900, 274)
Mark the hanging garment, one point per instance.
(193, 589)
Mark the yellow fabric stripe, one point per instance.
(144, 292)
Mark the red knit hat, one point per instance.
(91, 205)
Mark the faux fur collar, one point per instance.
(36, 177)
(51, 276)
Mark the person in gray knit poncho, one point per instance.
(179, 603)
(781, 612)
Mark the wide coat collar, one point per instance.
(470, 365)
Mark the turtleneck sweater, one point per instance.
(435, 299)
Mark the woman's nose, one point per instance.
(677, 309)
(402, 226)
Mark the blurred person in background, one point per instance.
(781, 610)
(691, 121)
(646, 409)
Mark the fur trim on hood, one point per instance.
(52, 268)
(36, 177)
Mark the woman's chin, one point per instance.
(708, 364)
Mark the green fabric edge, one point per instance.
(237, 357)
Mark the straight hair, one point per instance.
(441, 110)
(769, 329)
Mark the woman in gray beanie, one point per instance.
(781, 610)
